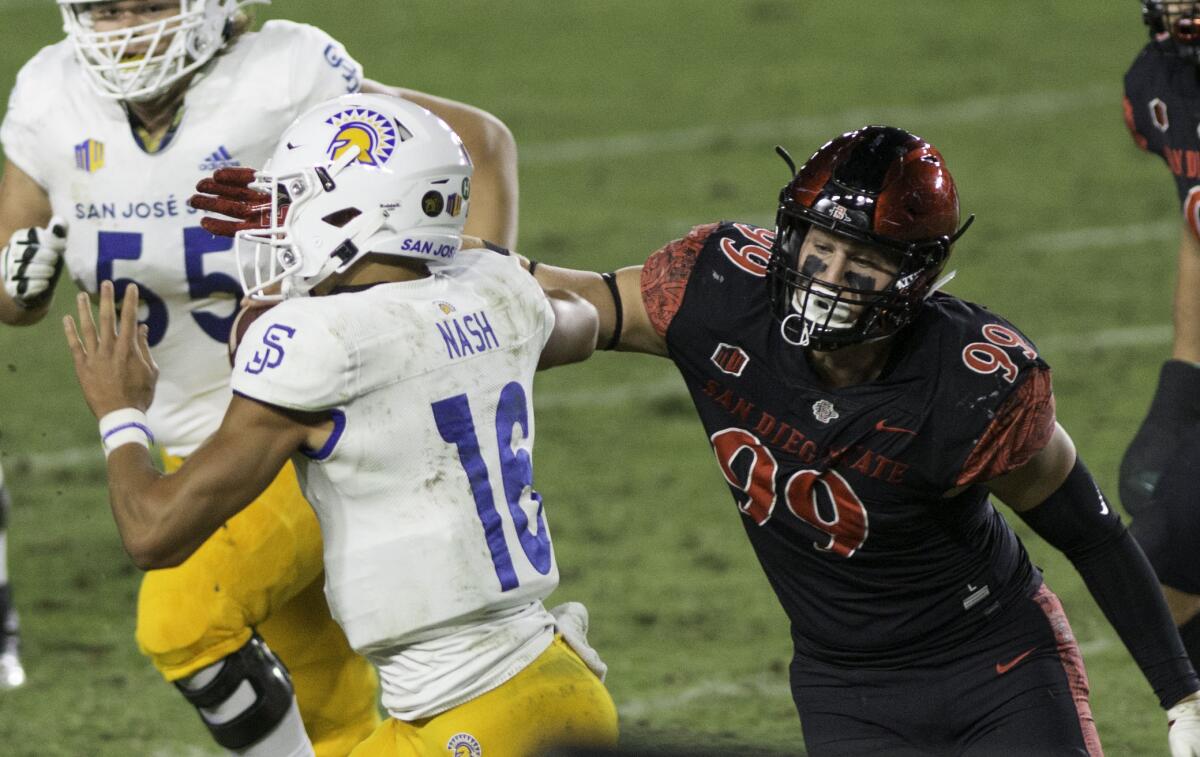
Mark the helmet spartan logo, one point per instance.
(372, 133)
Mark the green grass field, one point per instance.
(637, 119)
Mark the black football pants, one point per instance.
(1018, 688)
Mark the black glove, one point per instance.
(1174, 410)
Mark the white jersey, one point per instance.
(437, 553)
(126, 209)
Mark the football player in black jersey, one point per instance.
(1158, 480)
(861, 419)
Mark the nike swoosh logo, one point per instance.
(883, 426)
(1004, 667)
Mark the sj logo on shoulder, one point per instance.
(273, 355)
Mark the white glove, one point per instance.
(31, 262)
(571, 620)
(1184, 723)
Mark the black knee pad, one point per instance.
(1173, 411)
(1168, 530)
(256, 665)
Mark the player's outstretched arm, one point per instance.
(24, 207)
(163, 519)
(493, 151)
(1056, 495)
(623, 321)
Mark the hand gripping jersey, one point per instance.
(437, 553)
(841, 490)
(125, 207)
(1161, 92)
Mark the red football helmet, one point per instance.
(1174, 25)
(879, 185)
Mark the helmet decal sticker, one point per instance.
(432, 203)
(372, 133)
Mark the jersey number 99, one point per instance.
(845, 529)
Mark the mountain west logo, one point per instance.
(219, 159)
(730, 359)
(824, 411)
(89, 155)
(374, 134)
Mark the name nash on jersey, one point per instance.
(468, 335)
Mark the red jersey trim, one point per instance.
(1129, 124)
(665, 276)
(1022, 428)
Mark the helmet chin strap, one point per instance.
(806, 330)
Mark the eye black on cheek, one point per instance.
(812, 265)
(859, 281)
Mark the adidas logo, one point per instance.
(219, 159)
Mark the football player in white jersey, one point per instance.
(397, 373)
(109, 130)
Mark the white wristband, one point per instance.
(125, 426)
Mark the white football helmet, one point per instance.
(357, 174)
(142, 61)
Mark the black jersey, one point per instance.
(842, 491)
(1162, 111)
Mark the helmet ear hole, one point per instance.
(340, 218)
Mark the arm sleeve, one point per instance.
(665, 276)
(1077, 520)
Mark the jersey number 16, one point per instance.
(457, 427)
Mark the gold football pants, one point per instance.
(555, 701)
(263, 570)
